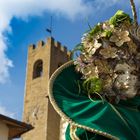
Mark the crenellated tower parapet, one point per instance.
(50, 42)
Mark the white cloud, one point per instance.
(104, 4)
(5, 63)
(25, 8)
(5, 112)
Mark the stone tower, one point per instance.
(43, 60)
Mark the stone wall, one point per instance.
(37, 108)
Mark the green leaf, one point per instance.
(119, 17)
(95, 30)
(107, 33)
(93, 85)
(78, 47)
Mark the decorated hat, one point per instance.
(119, 121)
(98, 92)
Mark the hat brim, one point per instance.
(110, 121)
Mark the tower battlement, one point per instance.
(50, 42)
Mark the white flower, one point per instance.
(84, 37)
(92, 47)
(119, 37)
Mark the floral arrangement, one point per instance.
(107, 44)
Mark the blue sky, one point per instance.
(24, 22)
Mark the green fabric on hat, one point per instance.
(121, 121)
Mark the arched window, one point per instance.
(38, 69)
